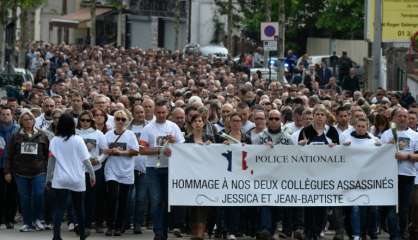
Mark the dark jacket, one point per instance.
(20, 162)
(6, 131)
(309, 132)
(351, 84)
(324, 76)
(406, 100)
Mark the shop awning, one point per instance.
(78, 18)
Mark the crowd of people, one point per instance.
(90, 140)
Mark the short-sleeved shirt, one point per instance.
(121, 168)
(155, 135)
(139, 160)
(95, 141)
(69, 172)
(407, 142)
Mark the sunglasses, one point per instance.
(85, 120)
(120, 119)
(274, 119)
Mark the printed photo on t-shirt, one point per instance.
(162, 140)
(29, 148)
(90, 143)
(403, 143)
(119, 145)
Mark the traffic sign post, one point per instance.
(269, 36)
(269, 31)
(270, 45)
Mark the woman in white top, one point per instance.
(66, 173)
(119, 170)
(364, 220)
(96, 143)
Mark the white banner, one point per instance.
(257, 175)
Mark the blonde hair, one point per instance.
(320, 108)
(126, 114)
(27, 112)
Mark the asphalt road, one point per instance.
(14, 234)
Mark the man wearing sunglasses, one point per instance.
(275, 135)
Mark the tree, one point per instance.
(119, 5)
(350, 14)
(27, 10)
(4, 6)
(232, 11)
(304, 18)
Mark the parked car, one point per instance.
(11, 80)
(216, 51)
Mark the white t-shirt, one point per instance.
(42, 123)
(139, 160)
(407, 141)
(69, 172)
(154, 135)
(295, 136)
(121, 168)
(247, 126)
(95, 142)
(341, 132)
(347, 137)
(110, 123)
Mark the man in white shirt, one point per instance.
(343, 121)
(154, 139)
(244, 111)
(149, 106)
(407, 141)
(137, 126)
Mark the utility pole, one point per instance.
(230, 23)
(377, 45)
(93, 23)
(281, 38)
(66, 30)
(3, 17)
(267, 54)
(177, 26)
(268, 19)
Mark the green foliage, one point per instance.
(223, 9)
(304, 18)
(30, 4)
(342, 16)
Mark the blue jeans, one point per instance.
(360, 216)
(141, 188)
(157, 179)
(397, 223)
(31, 190)
(61, 197)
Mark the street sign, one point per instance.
(399, 20)
(269, 31)
(270, 45)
